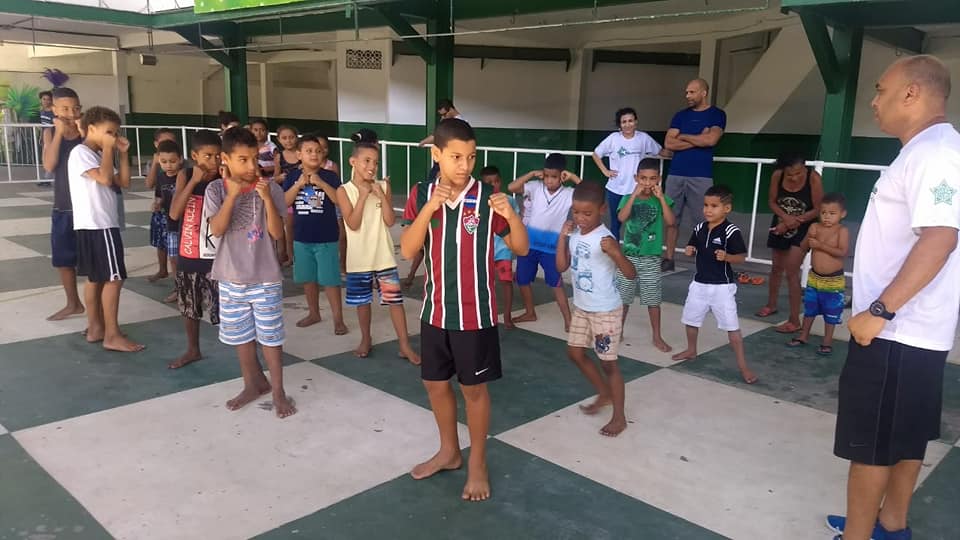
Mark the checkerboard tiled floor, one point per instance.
(102, 445)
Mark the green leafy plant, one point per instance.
(23, 101)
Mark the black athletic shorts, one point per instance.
(472, 355)
(100, 255)
(891, 397)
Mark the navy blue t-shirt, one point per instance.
(696, 161)
(314, 214)
(725, 236)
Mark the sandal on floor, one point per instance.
(787, 328)
(796, 342)
(743, 278)
(825, 350)
(758, 280)
(765, 311)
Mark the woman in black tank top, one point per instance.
(794, 199)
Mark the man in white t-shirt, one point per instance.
(905, 303)
(96, 220)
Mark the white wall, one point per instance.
(408, 98)
(656, 92)
(362, 94)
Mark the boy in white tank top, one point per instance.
(592, 253)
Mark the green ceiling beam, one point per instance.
(491, 52)
(402, 27)
(878, 13)
(308, 24)
(642, 57)
(181, 17)
(54, 10)
(192, 35)
(822, 47)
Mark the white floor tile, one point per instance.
(36, 304)
(739, 463)
(138, 204)
(319, 340)
(141, 194)
(12, 250)
(23, 201)
(182, 462)
(3, 430)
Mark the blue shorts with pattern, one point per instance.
(251, 312)
(824, 295)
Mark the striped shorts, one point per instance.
(647, 284)
(360, 287)
(251, 311)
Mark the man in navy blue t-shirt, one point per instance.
(312, 192)
(693, 134)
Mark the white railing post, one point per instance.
(6, 152)
(514, 177)
(753, 214)
(136, 135)
(583, 166)
(183, 138)
(486, 155)
(36, 149)
(383, 160)
(343, 164)
(408, 171)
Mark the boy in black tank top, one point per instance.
(195, 291)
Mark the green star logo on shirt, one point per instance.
(622, 152)
(943, 193)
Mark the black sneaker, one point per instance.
(667, 265)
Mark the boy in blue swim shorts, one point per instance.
(828, 241)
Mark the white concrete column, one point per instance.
(708, 61)
(122, 83)
(579, 69)
(265, 83)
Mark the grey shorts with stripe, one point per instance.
(647, 283)
(687, 194)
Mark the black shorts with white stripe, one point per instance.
(100, 255)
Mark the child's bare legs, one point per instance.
(805, 330)
(254, 383)
(827, 333)
(444, 406)
(658, 342)
(93, 296)
(283, 405)
(336, 307)
(618, 422)
(364, 315)
(192, 329)
(414, 266)
(507, 294)
(592, 373)
(342, 246)
(691, 351)
(399, 319)
(113, 339)
(477, 400)
(623, 321)
(736, 343)
(776, 276)
(312, 292)
(161, 265)
(287, 260)
(561, 295)
(794, 259)
(172, 297)
(68, 278)
(529, 311)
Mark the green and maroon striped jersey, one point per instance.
(459, 291)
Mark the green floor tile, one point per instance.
(46, 380)
(157, 290)
(532, 499)
(29, 273)
(542, 294)
(34, 506)
(138, 218)
(23, 212)
(538, 377)
(933, 513)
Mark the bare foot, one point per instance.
(566, 329)
(188, 357)
(363, 350)
(614, 428)
(171, 298)
(662, 345)
(157, 277)
(93, 335)
(477, 487)
(121, 344)
(685, 355)
(283, 405)
(749, 377)
(248, 395)
(508, 324)
(528, 316)
(406, 282)
(309, 320)
(438, 463)
(596, 406)
(66, 312)
(411, 356)
(340, 329)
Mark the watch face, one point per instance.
(877, 309)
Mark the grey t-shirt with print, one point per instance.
(245, 253)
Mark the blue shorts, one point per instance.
(63, 240)
(158, 230)
(318, 263)
(360, 287)
(824, 295)
(251, 311)
(173, 243)
(527, 268)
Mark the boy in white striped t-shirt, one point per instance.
(717, 244)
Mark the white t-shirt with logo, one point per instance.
(545, 213)
(94, 204)
(921, 188)
(625, 155)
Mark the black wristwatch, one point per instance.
(877, 309)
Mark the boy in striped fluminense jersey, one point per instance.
(454, 219)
